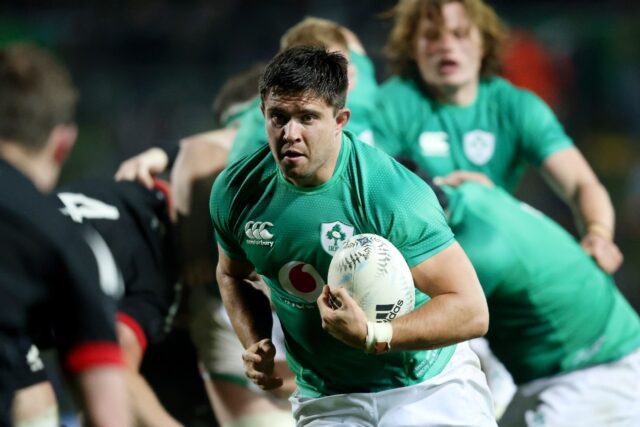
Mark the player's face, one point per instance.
(304, 134)
(449, 58)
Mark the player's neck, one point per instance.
(458, 95)
(34, 165)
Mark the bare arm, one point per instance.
(147, 409)
(456, 312)
(199, 156)
(103, 393)
(250, 313)
(569, 174)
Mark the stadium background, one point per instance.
(148, 71)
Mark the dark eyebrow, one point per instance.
(275, 110)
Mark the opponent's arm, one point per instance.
(569, 174)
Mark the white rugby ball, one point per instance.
(375, 274)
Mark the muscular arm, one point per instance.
(457, 310)
(569, 174)
(248, 308)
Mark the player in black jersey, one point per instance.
(51, 274)
(135, 224)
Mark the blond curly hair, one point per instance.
(408, 14)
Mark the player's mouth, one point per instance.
(447, 66)
(292, 156)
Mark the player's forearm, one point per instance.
(593, 206)
(104, 397)
(248, 308)
(444, 320)
(147, 409)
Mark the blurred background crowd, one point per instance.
(148, 71)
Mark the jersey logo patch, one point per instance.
(258, 233)
(479, 146)
(434, 144)
(332, 235)
(301, 280)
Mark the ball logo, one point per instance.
(301, 280)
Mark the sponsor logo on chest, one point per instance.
(258, 233)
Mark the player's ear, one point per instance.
(61, 141)
(342, 118)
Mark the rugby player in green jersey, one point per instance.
(447, 110)
(362, 82)
(558, 323)
(272, 211)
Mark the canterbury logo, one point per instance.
(387, 312)
(258, 233)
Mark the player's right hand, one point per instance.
(143, 167)
(259, 364)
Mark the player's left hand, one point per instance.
(606, 253)
(343, 318)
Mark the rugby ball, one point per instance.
(375, 274)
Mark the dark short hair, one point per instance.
(239, 90)
(36, 95)
(309, 71)
(413, 167)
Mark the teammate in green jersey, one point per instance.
(558, 322)
(271, 212)
(362, 82)
(446, 109)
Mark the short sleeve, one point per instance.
(219, 208)
(411, 217)
(542, 133)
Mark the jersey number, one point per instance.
(78, 207)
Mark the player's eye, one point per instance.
(461, 33)
(307, 118)
(431, 34)
(279, 120)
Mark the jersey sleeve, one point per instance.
(541, 132)
(219, 207)
(411, 217)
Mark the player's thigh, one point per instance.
(458, 396)
(602, 395)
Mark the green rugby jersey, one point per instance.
(552, 309)
(252, 135)
(290, 234)
(503, 130)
